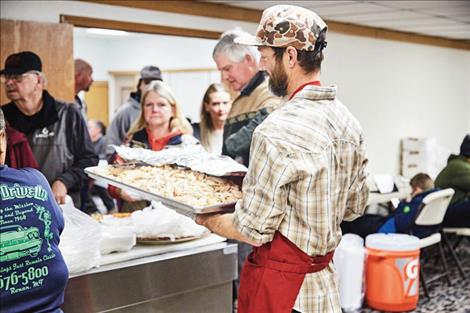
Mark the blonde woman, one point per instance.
(160, 124)
(215, 107)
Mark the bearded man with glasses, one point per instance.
(55, 130)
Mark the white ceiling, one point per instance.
(448, 19)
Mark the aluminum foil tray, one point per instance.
(180, 207)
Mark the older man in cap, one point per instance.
(130, 110)
(56, 131)
(306, 174)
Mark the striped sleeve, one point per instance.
(359, 192)
(262, 208)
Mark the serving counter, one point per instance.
(194, 276)
(186, 277)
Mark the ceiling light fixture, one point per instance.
(109, 32)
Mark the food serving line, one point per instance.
(192, 276)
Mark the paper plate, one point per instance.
(166, 240)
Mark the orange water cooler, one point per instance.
(392, 272)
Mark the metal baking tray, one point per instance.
(179, 207)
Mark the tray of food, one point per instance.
(187, 191)
(193, 157)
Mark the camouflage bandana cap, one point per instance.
(286, 25)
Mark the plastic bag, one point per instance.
(158, 220)
(117, 239)
(349, 263)
(80, 240)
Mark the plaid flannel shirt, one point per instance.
(307, 174)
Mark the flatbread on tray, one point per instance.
(183, 185)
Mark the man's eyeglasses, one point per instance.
(17, 78)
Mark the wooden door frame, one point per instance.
(81, 21)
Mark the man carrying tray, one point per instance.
(306, 174)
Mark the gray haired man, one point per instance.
(239, 65)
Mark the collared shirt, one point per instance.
(306, 174)
(255, 81)
(247, 112)
(301, 87)
(254, 96)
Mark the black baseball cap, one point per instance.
(21, 62)
(465, 147)
(151, 72)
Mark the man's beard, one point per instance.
(278, 80)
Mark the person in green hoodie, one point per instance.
(456, 175)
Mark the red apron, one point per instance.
(273, 274)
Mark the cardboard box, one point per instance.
(418, 144)
(415, 157)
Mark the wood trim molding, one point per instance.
(189, 7)
(223, 11)
(81, 21)
(381, 33)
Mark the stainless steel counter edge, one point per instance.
(227, 249)
(196, 280)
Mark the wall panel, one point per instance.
(54, 45)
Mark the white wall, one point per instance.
(167, 52)
(96, 51)
(395, 89)
(130, 54)
(398, 90)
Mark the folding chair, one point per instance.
(462, 233)
(432, 213)
(459, 231)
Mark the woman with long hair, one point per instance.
(160, 118)
(160, 124)
(215, 107)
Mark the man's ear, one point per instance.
(40, 81)
(292, 56)
(249, 59)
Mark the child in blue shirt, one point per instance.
(402, 220)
